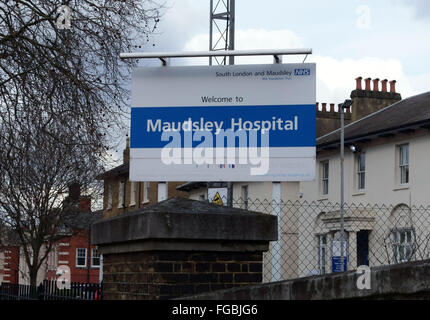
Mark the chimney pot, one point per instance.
(376, 84)
(358, 82)
(331, 107)
(384, 85)
(367, 81)
(393, 86)
(324, 106)
(126, 152)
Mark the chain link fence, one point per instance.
(309, 238)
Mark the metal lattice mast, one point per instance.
(221, 29)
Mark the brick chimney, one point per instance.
(85, 204)
(368, 101)
(367, 81)
(384, 85)
(358, 83)
(393, 86)
(126, 152)
(376, 84)
(74, 192)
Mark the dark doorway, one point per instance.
(363, 248)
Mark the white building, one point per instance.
(387, 192)
(387, 186)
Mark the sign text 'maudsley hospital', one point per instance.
(158, 125)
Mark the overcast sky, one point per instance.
(385, 39)
(350, 38)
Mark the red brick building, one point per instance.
(79, 255)
(9, 264)
(73, 250)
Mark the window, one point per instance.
(146, 191)
(95, 258)
(1, 260)
(322, 252)
(404, 163)
(52, 260)
(132, 193)
(324, 177)
(81, 257)
(109, 200)
(121, 197)
(361, 171)
(245, 197)
(403, 245)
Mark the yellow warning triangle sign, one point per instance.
(217, 199)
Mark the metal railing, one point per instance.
(309, 239)
(48, 290)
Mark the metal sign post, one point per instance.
(345, 105)
(281, 95)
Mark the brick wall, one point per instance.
(170, 274)
(9, 266)
(66, 255)
(140, 189)
(405, 281)
(328, 121)
(365, 102)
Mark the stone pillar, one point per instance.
(181, 247)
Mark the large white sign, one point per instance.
(223, 123)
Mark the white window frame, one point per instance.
(52, 259)
(403, 166)
(92, 258)
(402, 243)
(121, 196)
(2, 259)
(109, 196)
(322, 253)
(146, 188)
(324, 182)
(361, 174)
(79, 256)
(133, 193)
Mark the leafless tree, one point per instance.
(73, 73)
(62, 99)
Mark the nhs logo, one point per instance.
(302, 72)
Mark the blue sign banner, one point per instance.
(336, 264)
(224, 123)
(287, 125)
